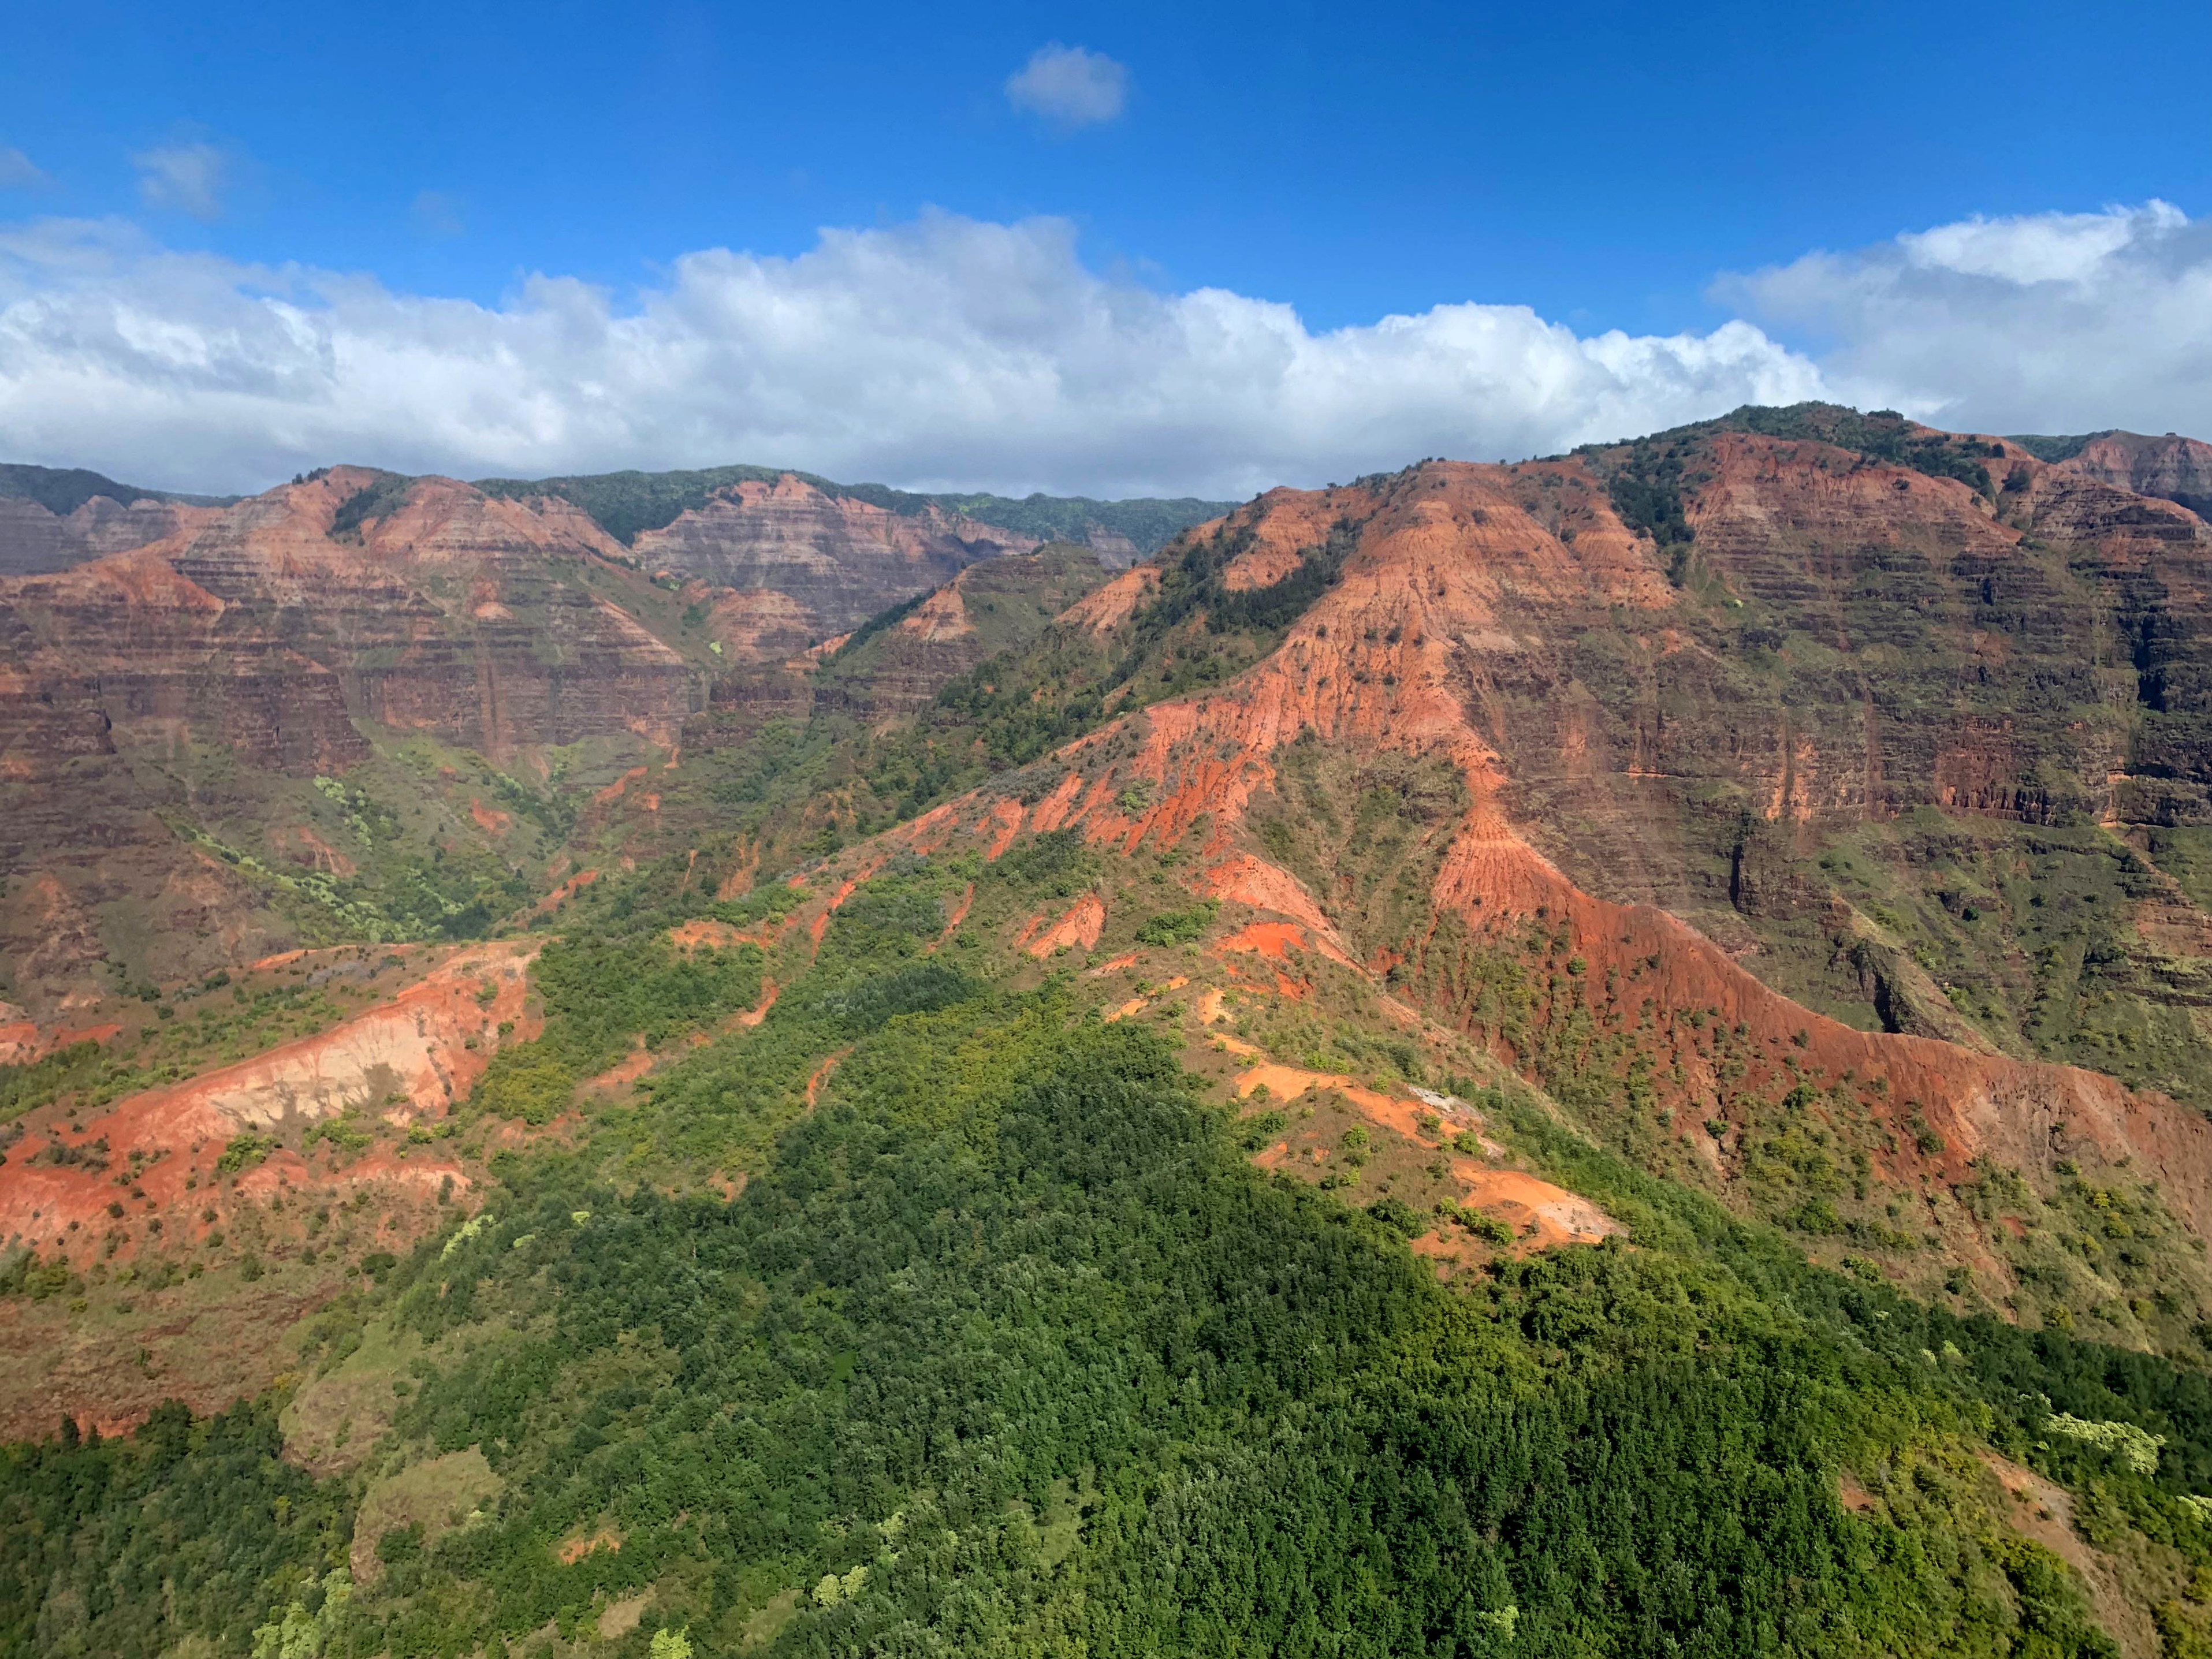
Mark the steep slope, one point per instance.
(780, 755)
(52, 517)
(174, 719)
(1480, 764)
(901, 659)
(2175, 468)
(839, 561)
(1527, 995)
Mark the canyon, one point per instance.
(1791, 833)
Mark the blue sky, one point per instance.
(1607, 166)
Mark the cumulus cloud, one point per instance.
(1069, 86)
(188, 178)
(2042, 322)
(945, 353)
(17, 170)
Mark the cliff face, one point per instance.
(150, 695)
(988, 608)
(33, 540)
(839, 561)
(263, 633)
(1883, 746)
(2174, 468)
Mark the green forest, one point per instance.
(1006, 1347)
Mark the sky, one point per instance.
(1112, 250)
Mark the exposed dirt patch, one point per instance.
(1080, 926)
(820, 1077)
(624, 1072)
(402, 1059)
(613, 791)
(1544, 1215)
(1138, 1005)
(1541, 1215)
(705, 933)
(959, 914)
(2043, 1511)
(567, 890)
(572, 1549)
(1269, 938)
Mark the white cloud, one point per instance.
(943, 353)
(189, 178)
(17, 170)
(2045, 322)
(1069, 86)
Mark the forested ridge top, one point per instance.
(61, 490)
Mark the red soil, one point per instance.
(1269, 938)
(613, 791)
(754, 1015)
(717, 935)
(403, 1058)
(569, 889)
(22, 1041)
(820, 1076)
(1079, 926)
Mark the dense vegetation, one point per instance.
(2050, 447)
(61, 490)
(374, 500)
(1881, 435)
(1004, 1347)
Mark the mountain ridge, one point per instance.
(67, 526)
(1690, 957)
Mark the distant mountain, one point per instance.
(52, 518)
(63, 490)
(626, 504)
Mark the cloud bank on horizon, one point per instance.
(954, 353)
